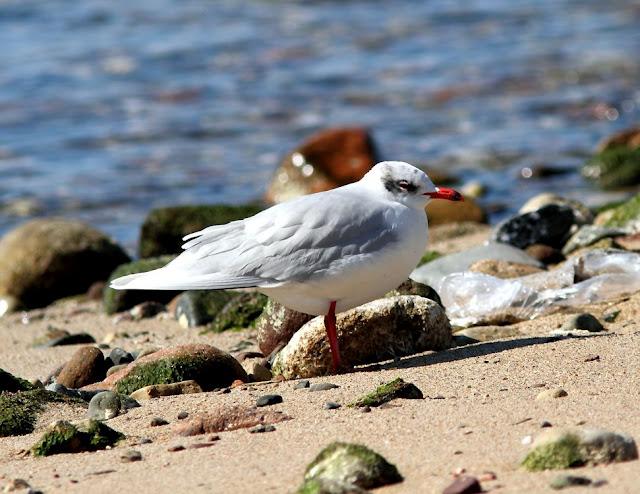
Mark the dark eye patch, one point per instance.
(408, 186)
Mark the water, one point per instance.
(110, 108)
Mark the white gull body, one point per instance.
(350, 245)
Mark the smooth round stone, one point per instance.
(104, 406)
(157, 422)
(183, 415)
(119, 356)
(266, 400)
(585, 322)
(322, 386)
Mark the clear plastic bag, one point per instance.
(473, 298)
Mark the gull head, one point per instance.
(404, 183)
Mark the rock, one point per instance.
(105, 406)
(503, 269)
(200, 307)
(277, 324)
(564, 480)
(19, 410)
(130, 455)
(582, 214)
(258, 372)
(266, 400)
(115, 368)
(348, 465)
(432, 273)
(11, 383)
(210, 367)
(64, 437)
(156, 390)
(559, 449)
(629, 138)
(331, 405)
(118, 356)
(411, 287)
(240, 312)
(382, 329)
(550, 225)
(229, 419)
(146, 310)
(61, 337)
(158, 422)
(47, 259)
(86, 366)
(629, 242)
(626, 215)
(322, 387)
(615, 167)
(262, 428)
(584, 321)
(120, 300)
(548, 394)
(464, 484)
(588, 235)
(397, 388)
(164, 228)
(487, 333)
(442, 212)
(326, 160)
(18, 485)
(301, 384)
(545, 254)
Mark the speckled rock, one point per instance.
(344, 464)
(47, 259)
(86, 366)
(210, 367)
(162, 231)
(327, 159)
(411, 287)
(277, 324)
(559, 449)
(503, 269)
(379, 330)
(582, 214)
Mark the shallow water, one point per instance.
(110, 108)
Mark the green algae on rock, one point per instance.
(342, 465)
(163, 229)
(11, 383)
(625, 215)
(119, 300)
(397, 388)
(64, 437)
(615, 167)
(428, 256)
(240, 312)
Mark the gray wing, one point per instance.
(292, 241)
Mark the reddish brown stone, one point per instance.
(276, 326)
(463, 485)
(229, 419)
(85, 367)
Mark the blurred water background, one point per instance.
(110, 108)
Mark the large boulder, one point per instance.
(382, 329)
(163, 229)
(47, 259)
(328, 159)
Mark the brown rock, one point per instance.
(229, 419)
(629, 242)
(503, 269)
(156, 390)
(629, 138)
(85, 367)
(440, 212)
(463, 485)
(545, 253)
(276, 326)
(328, 159)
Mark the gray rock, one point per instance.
(118, 356)
(302, 384)
(588, 235)
(104, 406)
(564, 480)
(464, 484)
(130, 456)
(62, 337)
(432, 273)
(585, 322)
(331, 405)
(262, 428)
(266, 400)
(382, 329)
(550, 225)
(158, 422)
(322, 386)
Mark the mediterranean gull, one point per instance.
(319, 254)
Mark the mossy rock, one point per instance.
(411, 287)
(240, 312)
(163, 229)
(428, 256)
(19, 411)
(119, 300)
(624, 214)
(11, 383)
(64, 437)
(397, 388)
(200, 307)
(561, 454)
(344, 464)
(616, 167)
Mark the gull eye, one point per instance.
(404, 185)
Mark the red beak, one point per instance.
(445, 193)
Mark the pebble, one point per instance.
(104, 406)
(611, 315)
(144, 440)
(331, 405)
(183, 415)
(158, 421)
(322, 386)
(584, 321)
(301, 384)
(146, 310)
(551, 393)
(118, 356)
(266, 400)
(463, 485)
(545, 423)
(592, 358)
(200, 445)
(177, 447)
(130, 456)
(365, 409)
(262, 428)
(16, 485)
(562, 481)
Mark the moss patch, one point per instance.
(240, 312)
(397, 388)
(119, 300)
(429, 256)
(560, 454)
(64, 437)
(618, 166)
(11, 383)
(625, 213)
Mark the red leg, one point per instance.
(330, 326)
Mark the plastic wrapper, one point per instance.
(474, 298)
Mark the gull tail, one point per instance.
(175, 279)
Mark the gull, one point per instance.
(319, 254)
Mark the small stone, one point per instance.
(584, 321)
(503, 269)
(157, 422)
(56, 337)
(200, 445)
(266, 400)
(562, 481)
(545, 423)
(331, 405)
(260, 373)
(131, 456)
(64, 437)
(146, 310)
(365, 409)
(397, 388)
(16, 485)
(464, 484)
(85, 367)
(183, 415)
(262, 428)
(592, 358)
(144, 440)
(322, 386)
(611, 315)
(172, 389)
(301, 384)
(551, 393)
(118, 356)
(487, 477)
(104, 406)
(177, 447)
